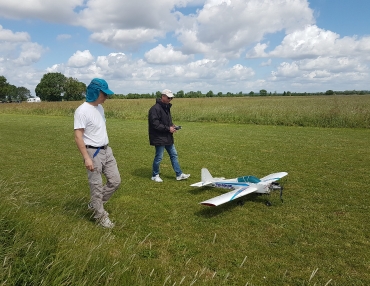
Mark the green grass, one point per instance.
(313, 111)
(318, 236)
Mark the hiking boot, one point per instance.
(157, 179)
(105, 222)
(182, 177)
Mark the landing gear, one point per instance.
(275, 186)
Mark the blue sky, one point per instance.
(144, 46)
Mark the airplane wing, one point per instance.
(274, 177)
(234, 194)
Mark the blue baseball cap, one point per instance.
(94, 88)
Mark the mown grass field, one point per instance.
(318, 236)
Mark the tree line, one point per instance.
(9, 92)
(52, 87)
(57, 87)
(262, 92)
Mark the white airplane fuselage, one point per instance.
(231, 184)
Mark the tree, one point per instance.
(180, 94)
(192, 94)
(329, 92)
(251, 93)
(12, 92)
(263, 92)
(210, 94)
(199, 94)
(74, 90)
(23, 93)
(51, 87)
(3, 88)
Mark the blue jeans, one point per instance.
(171, 150)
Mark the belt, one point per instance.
(100, 147)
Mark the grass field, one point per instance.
(313, 111)
(318, 236)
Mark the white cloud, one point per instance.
(258, 51)
(113, 60)
(16, 50)
(165, 55)
(80, 59)
(228, 27)
(322, 69)
(128, 24)
(237, 73)
(286, 70)
(313, 42)
(140, 76)
(126, 39)
(8, 36)
(219, 46)
(308, 42)
(30, 53)
(113, 14)
(47, 10)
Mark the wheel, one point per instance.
(268, 203)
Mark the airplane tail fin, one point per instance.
(207, 179)
(206, 175)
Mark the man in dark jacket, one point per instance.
(161, 131)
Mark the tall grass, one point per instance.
(318, 236)
(313, 111)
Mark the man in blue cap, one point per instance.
(92, 141)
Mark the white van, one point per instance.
(34, 99)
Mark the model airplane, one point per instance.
(240, 186)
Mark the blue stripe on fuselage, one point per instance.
(237, 193)
(231, 186)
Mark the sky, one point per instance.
(144, 46)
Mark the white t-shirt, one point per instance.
(91, 118)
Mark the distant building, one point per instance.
(34, 99)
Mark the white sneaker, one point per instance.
(157, 179)
(105, 222)
(182, 177)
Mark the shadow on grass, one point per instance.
(78, 208)
(147, 173)
(209, 212)
(142, 173)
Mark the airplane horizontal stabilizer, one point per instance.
(202, 184)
